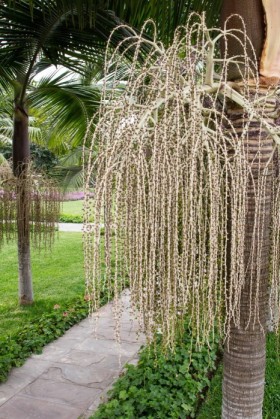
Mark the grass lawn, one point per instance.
(212, 406)
(72, 212)
(72, 207)
(58, 278)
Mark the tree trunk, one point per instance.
(21, 158)
(244, 356)
(24, 270)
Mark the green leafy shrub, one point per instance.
(67, 218)
(162, 386)
(42, 158)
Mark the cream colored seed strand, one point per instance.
(34, 197)
(170, 177)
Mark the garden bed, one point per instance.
(160, 386)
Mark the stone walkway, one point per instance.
(73, 374)
(75, 227)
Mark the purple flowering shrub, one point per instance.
(73, 196)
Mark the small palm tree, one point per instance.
(32, 38)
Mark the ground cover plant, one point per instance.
(162, 385)
(159, 387)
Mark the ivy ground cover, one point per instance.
(163, 386)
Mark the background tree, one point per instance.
(31, 39)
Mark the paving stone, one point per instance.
(65, 343)
(109, 347)
(52, 352)
(125, 335)
(93, 376)
(82, 358)
(21, 407)
(124, 316)
(107, 311)
(77, 332)
(109, 324)
(6, 392)
(59, 392)
(21, 377)
(89, 358)
(86, 323)
(32, 368)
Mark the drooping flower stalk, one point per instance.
(171, 187)
(36, 198)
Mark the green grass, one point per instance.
(213, 403)
(72, 212)
(72, 207)
(272, 378)
(58, 278)
(212, 406)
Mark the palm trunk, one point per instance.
(21, 157)
(244, 356)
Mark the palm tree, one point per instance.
(32, 38)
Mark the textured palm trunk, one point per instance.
(21, 157)
(244, 356)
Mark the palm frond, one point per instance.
(53, 32)
(69, 105)
(3, 160)
(6, 131)
(73, 158)
(70, 177)
(168, 14)
(74, 178)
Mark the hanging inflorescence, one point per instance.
(170, 183)
(30, 202)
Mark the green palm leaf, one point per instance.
(69, 104)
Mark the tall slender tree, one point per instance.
(33, 36)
